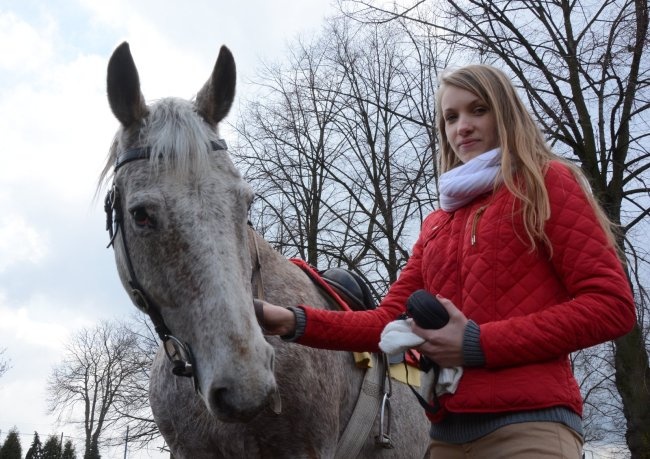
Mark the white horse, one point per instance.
(177, 214)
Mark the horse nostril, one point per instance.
(218, 399)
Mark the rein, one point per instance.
(179, 353)
(257, 280)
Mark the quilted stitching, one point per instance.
(528, 327)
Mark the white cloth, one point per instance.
(397, 338)
(463, 183)
(447, 382)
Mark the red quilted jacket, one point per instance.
(533, 311)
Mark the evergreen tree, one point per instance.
(52, 449)
(36, 450)
(11, 448)
(92, 452)
(69, 451)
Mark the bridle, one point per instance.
(179, 353)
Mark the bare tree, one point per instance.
(100, 381)
(386, 151)
(341, 149)
(584, 68)
(286, 133)
(602, 422)
(4, 364)
(132, 409)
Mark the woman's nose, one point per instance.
(464, 125)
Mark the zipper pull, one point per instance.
(477, 215)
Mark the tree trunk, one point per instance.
(632, 378)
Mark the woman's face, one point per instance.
(470, 125)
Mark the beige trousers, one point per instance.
(526, 440)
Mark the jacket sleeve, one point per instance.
(600, 305)
(360, 331)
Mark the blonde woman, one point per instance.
(523, 260)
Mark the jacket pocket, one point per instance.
(433, 232)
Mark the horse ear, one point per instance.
(123, 87)
(214, 100)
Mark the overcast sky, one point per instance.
(56, 275)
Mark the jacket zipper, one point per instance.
(477, 216)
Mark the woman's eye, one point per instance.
(141, 217)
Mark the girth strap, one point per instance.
(363, 417)
(373, 397)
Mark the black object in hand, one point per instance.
(426, 310)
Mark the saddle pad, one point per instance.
(398, 371)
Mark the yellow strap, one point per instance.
(363, 360)
(398, 371)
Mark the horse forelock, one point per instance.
(177, 136)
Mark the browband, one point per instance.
(133, 154)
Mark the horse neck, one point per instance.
(284, 283)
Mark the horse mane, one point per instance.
(177, 135)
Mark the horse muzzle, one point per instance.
(241, 394)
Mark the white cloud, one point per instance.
(40, 323)
(56, 127)
(54, 122)
(166, 65)
(23, 48)
(19, 327)
(20, 242)
(31, 389)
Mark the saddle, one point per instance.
(351, 287)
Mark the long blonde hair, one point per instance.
(525, 155)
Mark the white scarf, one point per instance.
(463, 183)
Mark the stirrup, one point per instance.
(383, 439)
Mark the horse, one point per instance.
(177, 214)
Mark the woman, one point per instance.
(525, 263)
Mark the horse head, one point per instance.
(177, 212)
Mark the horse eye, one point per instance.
(141, 217)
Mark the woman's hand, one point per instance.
(445, 345)
(275, 320)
